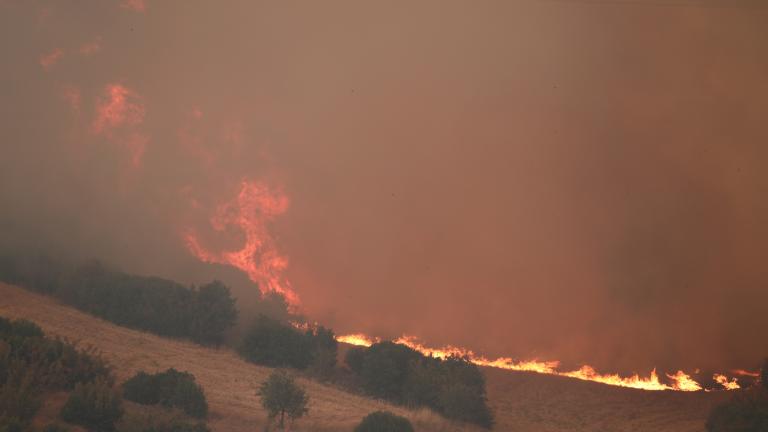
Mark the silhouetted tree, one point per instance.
(282, 397)
(214, 313)
(271, 343)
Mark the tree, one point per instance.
(281, 396)
(271, 343)
(384, 421)
(764, 374)
(214, 313)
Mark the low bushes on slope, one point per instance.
(384, 421)
(31, 363)
(95, 405)
(170, 389)
(272, 343)
(453, 387)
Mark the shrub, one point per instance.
(158, 420)
(170, 388)
(214, 313)
(12, 424)
(454, 387)
(19, 399)
(745, 412)
(384, 421)
(281, 396)
(385, 368)
(94, 405)
(55, 427)
(271, 343)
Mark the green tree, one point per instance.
(282, 397)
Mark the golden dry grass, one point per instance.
(230, 383)
(522, 402)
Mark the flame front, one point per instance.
(255, 205)
(680, 381)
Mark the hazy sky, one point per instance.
(573, 180)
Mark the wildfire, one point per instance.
(679, 381)
(723, 381)
(251, 211)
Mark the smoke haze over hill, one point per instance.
(563, 180)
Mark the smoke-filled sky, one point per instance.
(572, 180)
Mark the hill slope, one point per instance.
(521, 401)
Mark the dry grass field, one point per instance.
(522, 402)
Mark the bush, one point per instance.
(281, 396)
(94, 405)
(745, 412)
(384, 421)
(158, 420)
(454, 387)
(271, 343)
(170, 388)
(55, 427)
(215, 314)
(12, 424)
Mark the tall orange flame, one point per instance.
(256, 205)
(251, 211)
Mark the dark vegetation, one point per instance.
(94, 405)
(152, 304)
(282, 397)
(31, 363)
(384, 421)
(273, 343)
(171, 388)
(746, 411)
(453, 387)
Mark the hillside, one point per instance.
(521, 401)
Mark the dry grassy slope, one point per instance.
(521, 401)
(229, 382)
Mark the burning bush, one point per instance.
(170, 388)
(453, 387)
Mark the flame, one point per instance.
(743, 372)
(118, 106)
(254, 207)
(357, 339)
(680, 381)
(723, 381)
(50, 59)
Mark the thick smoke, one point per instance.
(581, 181)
